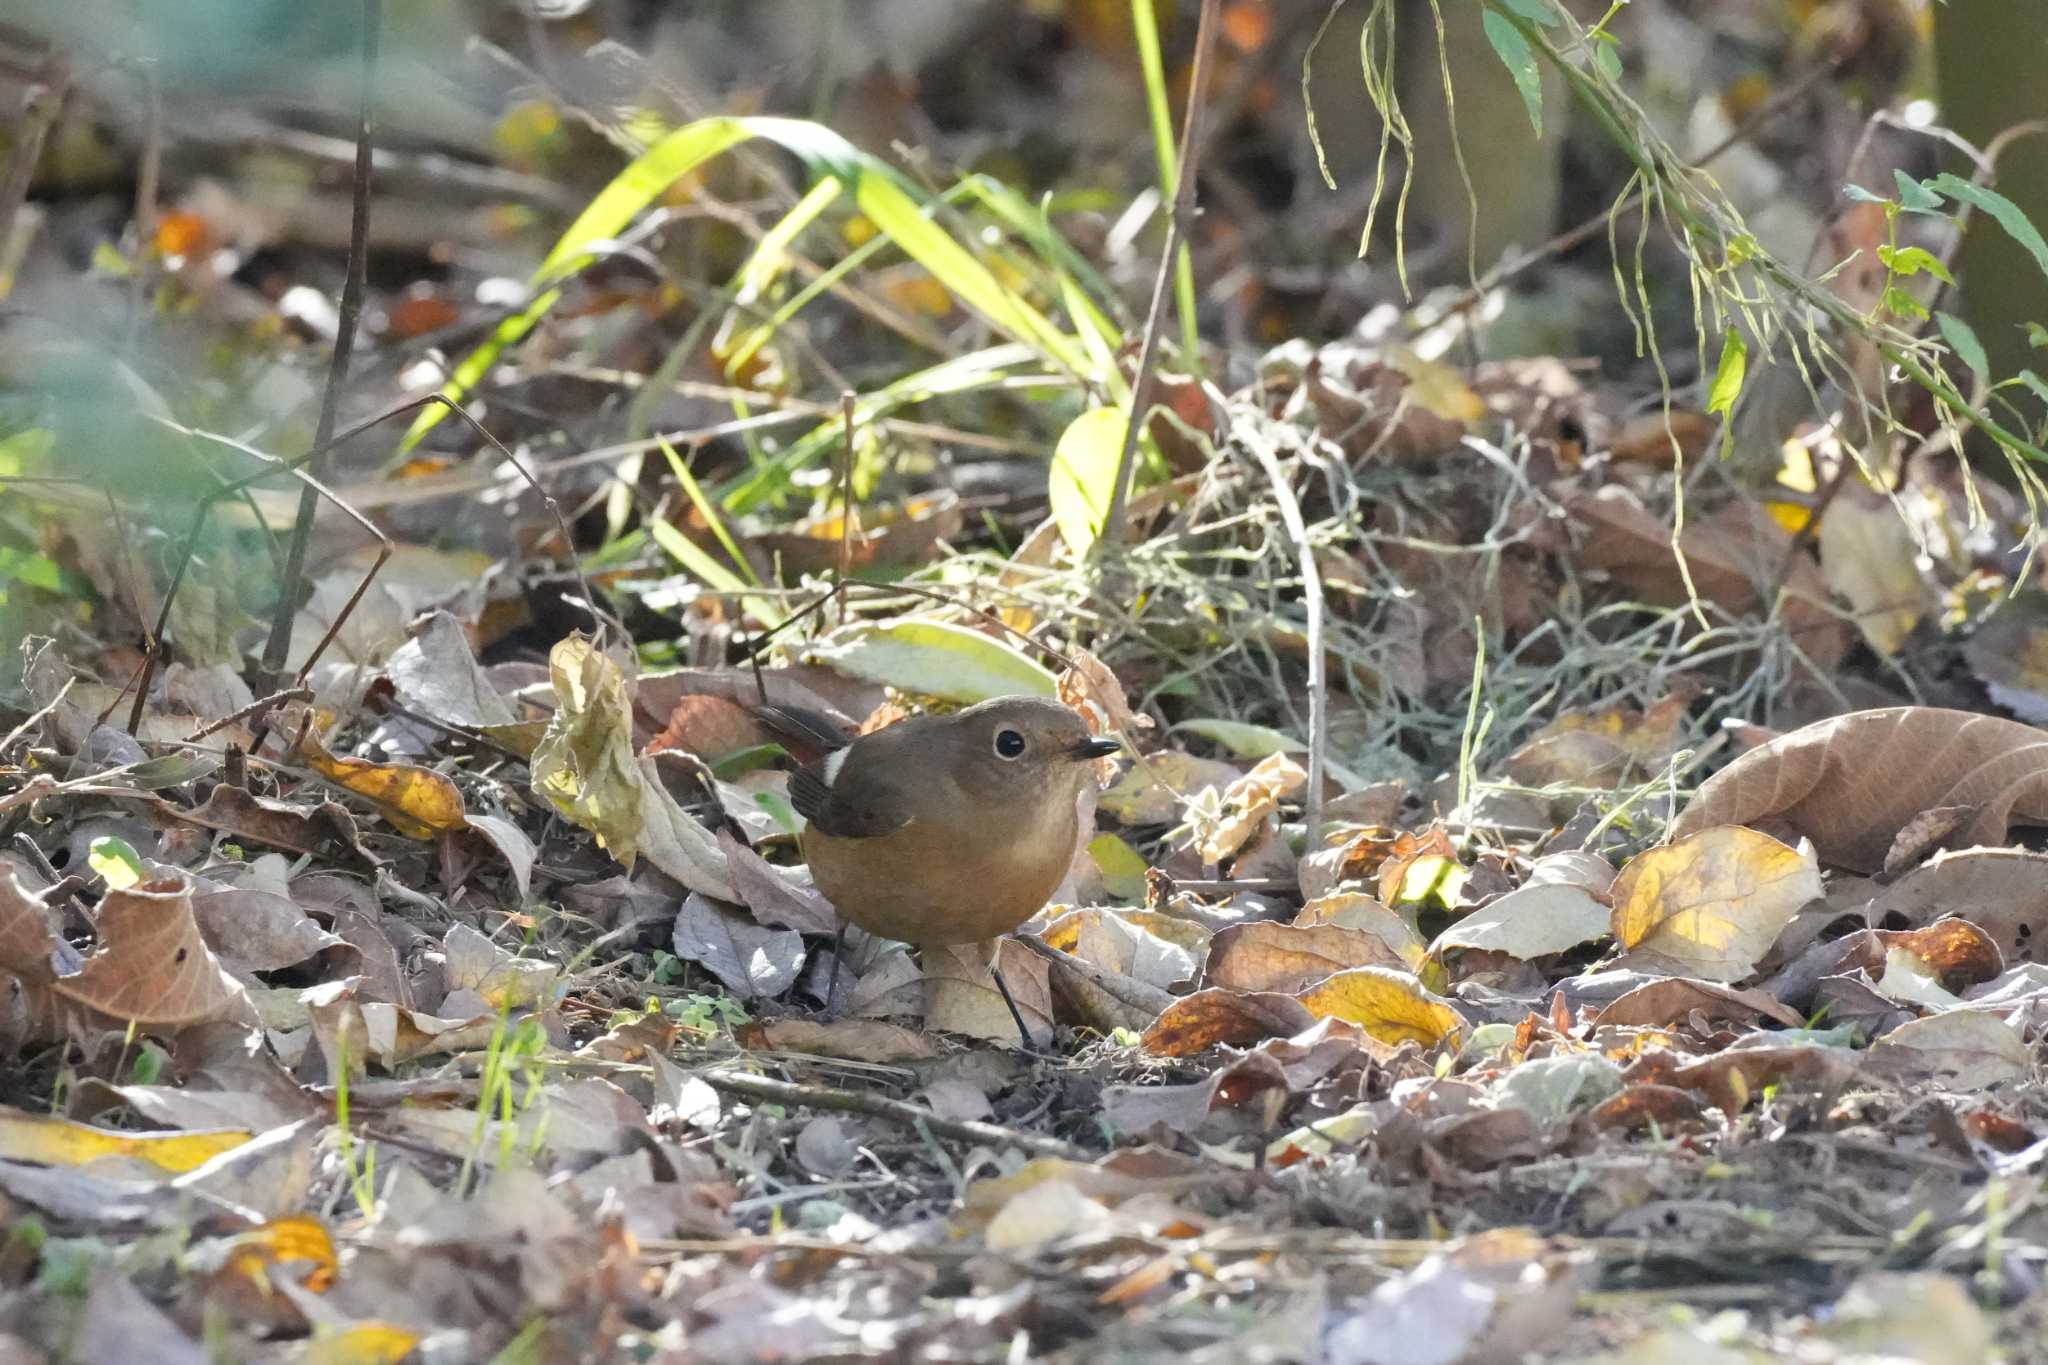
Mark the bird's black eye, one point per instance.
(1009, 743)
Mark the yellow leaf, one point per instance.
(1389, 1005)
(60, 1142)
(584, 764)
(1710, 905)
(1437, 388)
(364, 1343)
(283, 1241)
(419, 802)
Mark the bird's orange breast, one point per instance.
(928, 884)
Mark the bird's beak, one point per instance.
(1095, 748)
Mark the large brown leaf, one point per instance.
(151, 968)
(1732, 556)
(1853, 783)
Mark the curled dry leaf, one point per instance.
(1850, 784)
(1671, 1000)
(1264, 956)
(1601, 746)
(1868, 555)
(353, 1033)
(1247, 804)
(1710, 905)
(1735, 1077)
(2003, 891)
(417, 802)
(585, 768)
(1148, 947)
(326, 830)
(1392, 1006)
(1090, 688)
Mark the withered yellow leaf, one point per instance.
(418, 802)
(296, 1241)
(60, 1142)
(1710, 905)
(584, 765)
(1392, 1006)
(362, 1343)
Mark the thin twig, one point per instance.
(254, 708)
(764, 1090)
(45, 106)
(1176, 233)
(846, 407)
(1255, 441)
(275, 647)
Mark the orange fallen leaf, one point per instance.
(418, 802)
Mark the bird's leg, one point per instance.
(1024, 1032)
(838, 956)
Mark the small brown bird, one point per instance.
(948, 829)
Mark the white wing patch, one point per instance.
(833, 763)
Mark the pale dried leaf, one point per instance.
(1710, 905)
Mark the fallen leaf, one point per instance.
(1391, 1006)
(1711, 904)
(2003, 891)
(1356, 910)
(1529, 922)
(418, 802)
(1850, 784)
(1210, 1018)
(1669, 1001)
(753, 961)
(859, 1040)
(60, 1142)
(1869, 557)
(435, 674)
(585, 768)
(934, 659)
(150, 967)
(1248, 803)
(961, 996)
(1155, 789)
(1264, 956)
(1961, 1049)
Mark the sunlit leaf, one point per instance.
(2008, 214)
(60, 1142)
(1729, 374)
(115, 861)
(934, 659)
(1519, 57)
(1082, 480)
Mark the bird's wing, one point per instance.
(823, 794)
(811, 728)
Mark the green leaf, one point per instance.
(1904, 305)
(1962, 339)
(934, 659)
(38, 571)
(1915, 197)
(2038, 385)
(2037, 335)
(1863, 196)
(1082, 480)
(693, 558)
(1243, 738)
(1535, 11)
(1519, 57)
(1607, 56)
(1123, 869)
(24, 450)
(2007, 213)
(116, 861)
(1911, 260)
(1729, 374)
(966, 278)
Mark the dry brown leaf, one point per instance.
(152, 967)
(1208, 1018)
(1153, 790)
(1710, 905)
(1529, 922)
(961, 996)
(1356, 910)
(2003, 891)
(1664, 1003)
(859, 1040)
(1354, 860)
(1735, 1077)
(417, 802)
(1392, 1006)
(1247, 804)
(1728, 554)
(1850, 784)
(326, 830)
(1090, 688)
(1868, 555)
(709, 727)
(1600, 746)
(1962, 1049)
(436, 674)
(1264, 956)
(1152, 948)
